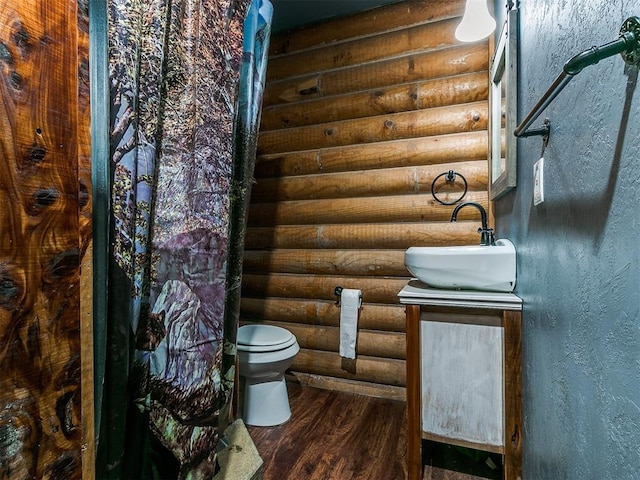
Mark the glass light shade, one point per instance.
(477, 23)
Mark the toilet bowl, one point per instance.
(264, 353)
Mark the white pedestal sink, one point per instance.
(468, 267)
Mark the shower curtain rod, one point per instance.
(628, 45)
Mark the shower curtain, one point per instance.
(178, 184)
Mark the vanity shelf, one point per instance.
(463, 373)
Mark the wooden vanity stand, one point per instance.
(463, 373)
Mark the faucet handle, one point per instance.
(486, 236)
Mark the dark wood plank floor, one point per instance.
(335, 436)
(339, 436)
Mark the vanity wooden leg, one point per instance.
(512, 365)
(414, 423)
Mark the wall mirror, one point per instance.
(503, 109)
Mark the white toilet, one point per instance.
(264, 353)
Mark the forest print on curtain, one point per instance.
(174, 68)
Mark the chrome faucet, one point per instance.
(486, 233)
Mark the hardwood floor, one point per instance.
(342, 436)
(335, 436)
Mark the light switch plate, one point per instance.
(538, 182)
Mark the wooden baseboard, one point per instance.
(347, 386)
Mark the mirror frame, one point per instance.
(503, 77)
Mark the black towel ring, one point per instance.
(450, 178)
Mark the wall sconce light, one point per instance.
(477, 23)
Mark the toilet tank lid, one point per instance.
(263, 335)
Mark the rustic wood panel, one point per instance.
(419, 151)
(392, 209)
(347, 386)
(323, 313)
(439, 92)
(424, 37)
(44, 232)
(357, 122)
(327, 262)
(391, 181)
(512, 362)
(375, 289)
(364, 235)
(421, 123)
(85, 204)
(392, 17)
(369, 369)
(411, 68)
(414, 401)
(369, 342)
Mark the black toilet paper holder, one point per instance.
(338, 293)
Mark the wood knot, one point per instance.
(328, 132)
(45, 197)
(20, 36)
(37, 153)
(83, 195)
(5, 54)
(15, 80)
(62, 265)
(309, 91)
(64, 410)
(10, 292)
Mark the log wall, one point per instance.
(46, 421)
(360, 114)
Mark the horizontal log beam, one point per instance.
(364, 368)
(361, 24)
(389, 181)
(368, 235)
(317, 287)
(327, 262)
(399, 153)
(419, 38)
(391, 209)
(327, 338)
(440, 92)
(410, 68)
(347, 386)
(467, 117)
(320, 312)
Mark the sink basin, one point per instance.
(469, 267)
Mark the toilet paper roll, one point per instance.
(350, 301)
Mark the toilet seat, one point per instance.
(264, 338)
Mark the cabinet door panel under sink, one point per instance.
(462, 379)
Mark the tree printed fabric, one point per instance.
(174, 69)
